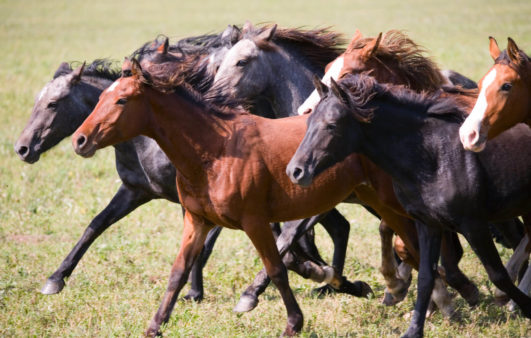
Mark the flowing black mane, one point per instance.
(320, 46)
(102, 68)
(362, 90)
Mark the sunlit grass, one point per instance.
(117, 287)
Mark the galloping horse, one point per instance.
(251, 70)
(413, 137)
(230, 171)
(298, 53)
(145, 171)
(394, 58)
(504, 99)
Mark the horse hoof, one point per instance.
(193, 296)
(365, 288)
(472, 296)
(501, 300)
(323, 291)
(390, 300)
(246, 304)
(52, 287)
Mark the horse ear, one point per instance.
(343, 97)
(321, 88)
(268, 34)
(247, 27)
(126, 67)
(163, 48)
(230, 35)
(64, 68)
(371, 47)
(493, 48)
(136, 69)
(76, 75)
(513, 51)
(357, 35)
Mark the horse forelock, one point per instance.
(524, 66)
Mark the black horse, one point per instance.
(414, 138)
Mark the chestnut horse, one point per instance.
(230, 171)
(504, 99)
(413, 137)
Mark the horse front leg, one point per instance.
(194, 233)
(196, 292)
(291, 232)
(262, 238)
(430, 247)
(124, 201)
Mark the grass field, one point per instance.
(118, 285)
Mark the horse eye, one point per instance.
(506, 86)
(52, 105)
(331, 126)
(242, 63)
(121, 101)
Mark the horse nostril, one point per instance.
(473, 137)
(297, 173)
(81, 140)
(23, 151)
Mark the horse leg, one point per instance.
(196, 275)
(194, 233)
(451, 254)
(430, 247)
(396, 288)
(482, 244)
(291, 231)
(264, 242)
(513, 266)
(124, 201)
(525, 282)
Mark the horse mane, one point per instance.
(319, 46)
(362, 90)
(102, 68)
(177, 84)
(396, 48)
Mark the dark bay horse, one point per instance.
(504, 99)
(298, 53)
(413, 137)
(230, 171)
(251, 70)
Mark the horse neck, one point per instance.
(390, 139)
(190, 135)
(291, 81)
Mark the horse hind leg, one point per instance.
(396, 287)
(518, 258)
(124, 201)
(525, 283)
(481, 242)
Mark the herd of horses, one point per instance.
(259, 125)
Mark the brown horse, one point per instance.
(230, 171)
(394, 58)
(504, 99)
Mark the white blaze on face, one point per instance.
(470, 131)
(313, 99)
(113, 86)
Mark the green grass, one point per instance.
(117, 287)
